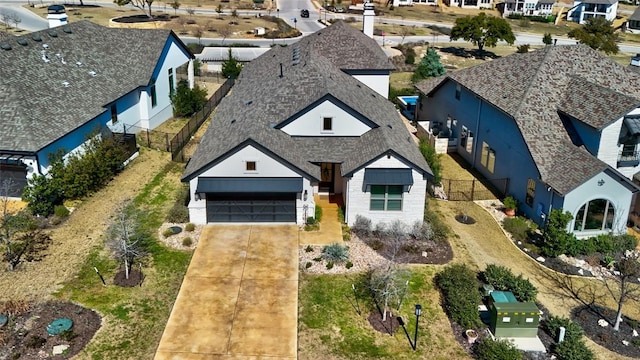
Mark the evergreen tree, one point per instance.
(187, 101)
(231, 67)
(546, 39)
(430, 66)
(598, 34)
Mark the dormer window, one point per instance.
(327, 123)
(250, 166)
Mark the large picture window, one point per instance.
(386, 198)
(488, 157)
(595, 214)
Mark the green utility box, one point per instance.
(510, 318)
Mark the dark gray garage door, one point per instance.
(252, 207)
(17, 173)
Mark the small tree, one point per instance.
(429, 66)
(140, 4)
(556, 238)
(482, 30)
(175, 5)
(197, 33)
(225, 31)
(219, 10)
(598, 34)
(546, 39)
(522, 49)
(187, 101)
(620, 285)
(231, 67)
(125, 237)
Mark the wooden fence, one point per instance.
(470, 190)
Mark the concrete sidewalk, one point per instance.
(239, 298)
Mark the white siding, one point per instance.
(235, 166)
(357, 200)
(608, 147)
(611, 190)
(311, 122)
(378, 83)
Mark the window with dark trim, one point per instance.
(531, 192)
(488, 157)
(171, 89)
(154, 98)
(597, 214)
(114, 114)
(386, 198)
(327, 123)
(251, 166)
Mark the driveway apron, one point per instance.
(239, 297)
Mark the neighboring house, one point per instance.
(633, 23)
(583, 10)
(469, 4)
(305, 119)
(213, 57)
(58, 86)
(528, 7)
(414, 2)
(558, 123)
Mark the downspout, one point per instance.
(475, 140)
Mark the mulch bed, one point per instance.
(25, 336)
(587, 318)
(412, 251)
(135, 278)
(389, 326)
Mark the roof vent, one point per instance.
(67, 30)
(45, 46)
(248, 102)
(5, 46)
(58, 55)
(233, 121)
(22, 42)
(389, 126)
(36, 37)
(78, 63)
(52, 33)
(66, 83)
(93, 73)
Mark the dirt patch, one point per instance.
(386, 326)
(26, 337)
(411, 251)
(136, 277)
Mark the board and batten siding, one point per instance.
(610, 147)
(376, 82)
(357, 199)
(235, 166)
(310, 123)
(611, 189)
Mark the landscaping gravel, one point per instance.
(360, 254)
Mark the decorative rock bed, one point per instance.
(176, 240)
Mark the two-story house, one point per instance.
(469, 4)
(585, 9)
(528, 7)
(559, 123)
(310, 118)
(58, 86)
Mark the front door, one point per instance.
(326, 177)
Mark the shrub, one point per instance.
(189, 227)
(518, 227)
(318, 213)
(178, 214)
(348, 265)
(501, 278)
(438, 226)
(187, 101)
(546, 39)
(335, 252)
(573, 350)
(308, 248)
(556, 239)
(523, 49)
(167, 232)
(329, 265)
(460, 295)
(488, 349)
(317, 259)
(433, 159)
(60, 211)
(308, 265)
(362, 226)
(525, 23)
(410, 59)
(187, 241)
(552, 325)
(311, 220)
(510, 202)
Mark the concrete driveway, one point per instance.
(239, 298)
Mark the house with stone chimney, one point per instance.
(307, 120)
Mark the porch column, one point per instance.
(190, 74)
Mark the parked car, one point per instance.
(339, 9)
(304, 13)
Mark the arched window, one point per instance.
(595, 214)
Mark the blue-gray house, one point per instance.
(562, 124)
(58, 86)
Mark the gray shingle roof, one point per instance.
(635, 15)
(262, 98)
(37, 109)
(533, 87)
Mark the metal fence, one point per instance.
(177, 143)
(470, 190)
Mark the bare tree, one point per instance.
(15, 19)
(140, 4)
(125, 238)
(620, 285)
(5, 17)
(191, 11)
(219, 11)
(225, 31)
(198, 32)
(175, 5)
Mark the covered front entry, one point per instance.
(251, 208)
(250, 200)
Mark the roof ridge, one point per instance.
(547, 50)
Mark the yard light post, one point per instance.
(278, 12)
(415, 336)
